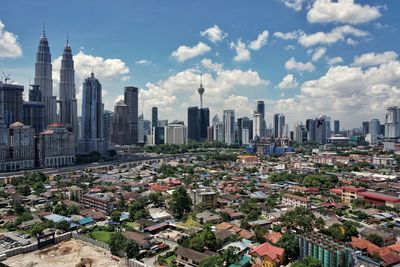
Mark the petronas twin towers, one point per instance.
(43, 78)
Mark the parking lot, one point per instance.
(12, 240)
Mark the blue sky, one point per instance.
(302, 57)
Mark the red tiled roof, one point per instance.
(266, 249)
(378, 196)
(395, 247)
(352, 189)
(273, 237)
(304, 199)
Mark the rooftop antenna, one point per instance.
(201, 90)
(67, 39)
(44, 29)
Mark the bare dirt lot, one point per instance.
(69, 254)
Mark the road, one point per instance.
(152, 261)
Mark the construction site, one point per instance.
(71, 253)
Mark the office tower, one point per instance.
(248, 124)
(321, 130)
(43, 78)
(374, 131)
(279, 125)
(141, 129)
(146, 129)
(158, 136)
(239, 124)
(198, 122)
(154, 117)
(215, 122)
(300, 133)
(392, 124)
(120, 124)
(34, 110)
(210, 133)
(257, 120)
(310, 127)
(11, 103)
(365, 128)
(68, 102)
(201, 92)
(175, 133)
(336, 126)
(131, 100)
(92, 138)
(56, 146)
(245, 136)
(229, 126)
(107, 124)
(261, 111)
(204, 123)
(328, 126)
(17, 146)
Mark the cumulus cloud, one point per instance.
(214, 34)
(242, 53)
(169, 94)
(288, 35)
(296, 5)
(9, 46)
(334, 60)
(292, 64)
(335, 35)
(289, 81)
(320, 52)
(184, 52)
(260, 41)
(372, 59)
(343, 11)
(143, 62)
(207, 63)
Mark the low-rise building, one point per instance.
(98, 201)
(205, 197)
(347, 193)
(186, 257)
(267, 255)
(295, 201)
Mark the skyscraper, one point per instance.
(120, 124)
(92, 138)
(279, 125)
(229, 126)
(201, 92)
(193, 124)
(34, 110)
(107, 124)
(261, 111)
(392, 124)
(321, 125)
(43, 78)
(11, 103)
(68, 102)
(154, 117)
(257, 124)
(336, 126)
(131, 100)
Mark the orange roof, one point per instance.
(266, 249)
(223, 226)
(395, 247)
(273, 237)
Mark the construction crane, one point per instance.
(5, 78)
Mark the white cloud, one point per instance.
(288, 35)
(335, 35)
(125, 78)
(242, 53)
(372, 59)
(143, 62)
(169, 94)
(9, 46)
(242, 105)
(289, 81)
(343, 11)
(334, 60)
(320, 52)
(296, 5)
(260, 41)
(207, 63)
(289, 47)
(292, 64)
(214, 34)
(184, 52)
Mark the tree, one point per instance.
(37, 229)
(24, 190)
(132, 249)
(63, 225)
(230, 256)
(115, 216)
(301, 219)
(307, 262)
(156, 198)
(181, 202)
(375, 239)
(117, 243)
(204, 239)
(213, 261)
(290, 243)
(72, 210)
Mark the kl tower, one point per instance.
(201, 91)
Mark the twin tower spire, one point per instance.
(67, 92)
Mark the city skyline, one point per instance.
(339, 64)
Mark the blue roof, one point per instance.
(124, 216)
(86, 220)
(243, 262)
